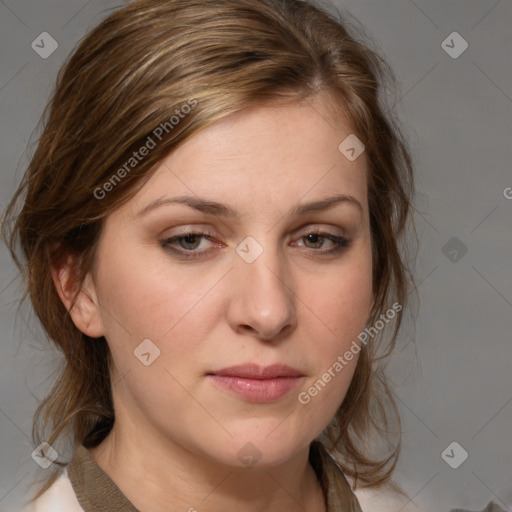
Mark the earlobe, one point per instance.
(79, 299)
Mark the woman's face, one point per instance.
(279, 278)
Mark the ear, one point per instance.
(85, 311)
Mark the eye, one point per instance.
(315, 240)
(189, 245)
(198, 244)
(323, 243)
(190, 241)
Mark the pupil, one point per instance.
(190, 240)
(313, 238)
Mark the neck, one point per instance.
(178, 479)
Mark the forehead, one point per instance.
(268, 155)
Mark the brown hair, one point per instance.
(133, 73)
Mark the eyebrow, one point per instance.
(222, 210)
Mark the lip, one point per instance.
(256, 383)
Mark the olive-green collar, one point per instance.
(96, 492)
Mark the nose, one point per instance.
(262, 301)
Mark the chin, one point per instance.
(258, 449)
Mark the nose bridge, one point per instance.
(262, 300)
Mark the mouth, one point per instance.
(255, 383)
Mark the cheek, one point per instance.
(172, 311)
(335, 356)
(340, 308)
(342, 299)
(144, 300)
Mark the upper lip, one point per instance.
(254, 371)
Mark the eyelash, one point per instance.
(340, 243)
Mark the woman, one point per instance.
(210, 229)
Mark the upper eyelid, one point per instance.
(315, 228)
(207, 234)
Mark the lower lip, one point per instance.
(257, 390)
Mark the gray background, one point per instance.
(454, 383)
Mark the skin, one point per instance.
(291, 305)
